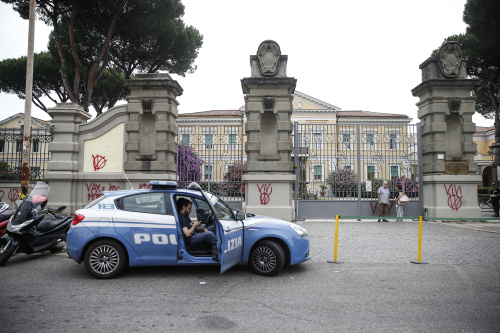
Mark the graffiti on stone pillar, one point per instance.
(265, 193)
(455, 196)
(99, 162)
(144, 186)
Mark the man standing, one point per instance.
(383, 201)
(494, 195)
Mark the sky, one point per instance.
(357, 55)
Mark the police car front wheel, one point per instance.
(267, 258)
(105, 259)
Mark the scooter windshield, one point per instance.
(37, 196)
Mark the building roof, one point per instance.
(484, 129)
(359, 113)
(213, 113)
(315, 101)
(34, 120)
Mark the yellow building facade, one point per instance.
(328, 137)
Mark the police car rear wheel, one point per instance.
(267, 258)
(105, 259)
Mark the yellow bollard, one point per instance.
(419, 259)
(337, 217)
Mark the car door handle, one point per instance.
(227, 229)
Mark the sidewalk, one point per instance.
(487, 225)
(369, 241)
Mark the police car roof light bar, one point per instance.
(163, 185)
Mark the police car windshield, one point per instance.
(222, 210)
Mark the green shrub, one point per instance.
(483, 191)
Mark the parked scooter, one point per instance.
(27, 229)
(5, 214)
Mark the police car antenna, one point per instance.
(131, 187)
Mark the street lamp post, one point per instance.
(25, 173)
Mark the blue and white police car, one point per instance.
(141, 228)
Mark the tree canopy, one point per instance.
(481, 48)
(96, 45)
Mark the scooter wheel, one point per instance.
(105, 259)
(7, 252)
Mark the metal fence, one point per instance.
(11, 148)
(213, 157)
(344, 165)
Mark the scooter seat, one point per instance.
(51, 223)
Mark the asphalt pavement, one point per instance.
(373, 287)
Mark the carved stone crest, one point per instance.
(450, 59)
(454, 105)
(147, 105)
(268, 103)
(269, 55)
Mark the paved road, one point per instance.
(376, 289)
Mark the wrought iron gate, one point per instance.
(213, 157)
(11, 148)
(340, 167)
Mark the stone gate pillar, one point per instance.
(445, 111)
(268, 107)
(150, 132)
(64, 165)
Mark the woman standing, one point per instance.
(399, 208)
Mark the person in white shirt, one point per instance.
(383, 201)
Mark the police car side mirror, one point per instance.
(240, 215)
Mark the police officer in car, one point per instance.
(494, 195)
(203, 236)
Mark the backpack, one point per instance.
(403, 200)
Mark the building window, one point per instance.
(393, 141)
(318, 172)
(208, 172)
(317, 140)
(2, 145)
(35, 145)
(209, 141)
(370, 141)
(370, 172)
(394, 171)
(232, 142)
(346, 141)
(185, 139)
(19, 146)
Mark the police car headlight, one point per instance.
(17, 227)
(301, 231)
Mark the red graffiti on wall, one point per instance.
(99, 162)
(454, 199)
(13, 194)
(94, 191)
(144, 185)
(2, 193)
(264, 195)
(376, 204)
(113, 187)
